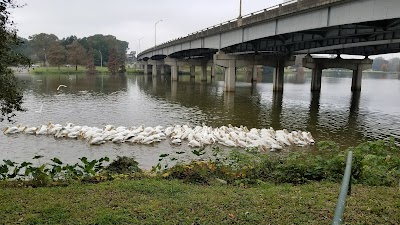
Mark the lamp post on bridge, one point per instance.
(155, 33)
(140, 50)
(240, 9)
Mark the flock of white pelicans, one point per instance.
(199, 136)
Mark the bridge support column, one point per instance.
(174, 73)
(204, 72)
(230, 77)
(356, 81)
(278, 77)
(318, 64)
(154, 70)
(192, 71)
(212, 70)
(145, 67)
(254, 74)
(162, 70)
(316, 79)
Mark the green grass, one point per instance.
(71, 70)
(156, 201)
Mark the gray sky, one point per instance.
(129, 20)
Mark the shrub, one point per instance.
(374, 163)
(123, 165)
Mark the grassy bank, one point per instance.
(238, 188)
(71, 70)
(156, 201)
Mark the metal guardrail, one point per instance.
(344, 191)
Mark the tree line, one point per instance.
(391, 65)
(90, 51)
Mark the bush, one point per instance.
(374, 163)
(124, 165)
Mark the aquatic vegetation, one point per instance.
(44, 174)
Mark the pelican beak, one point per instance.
(4, 130)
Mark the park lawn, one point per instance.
(158, 201)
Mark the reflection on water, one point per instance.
(335, 113)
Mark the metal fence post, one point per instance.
(344, 191)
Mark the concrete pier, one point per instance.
(316, 79)
(230, 77)
(254, 74)
(174, 73)
(145, 67)
(192, 71)
(162, 69)
(154, 70)
(204, 72)
(230, 62)
(278, 77)
(356, 81)
(318, 64)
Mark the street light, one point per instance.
(140, 50)
(45, 58)
(240, 9)
(101, 59)
(155, 33)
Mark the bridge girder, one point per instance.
(354, 39)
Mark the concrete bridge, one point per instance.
(273, 36)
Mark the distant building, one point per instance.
(131, 59)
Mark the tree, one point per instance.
(90, 66)
(41, 44)
(23, 48)
(113, 62)
(377, 63)
(76, 54)
(104, 43)
(10, 94)
(68, 40)
(394, 65)
(57, 55)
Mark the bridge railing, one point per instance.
(232, 20)
(344, 191)
(227, 22)
(245, 16)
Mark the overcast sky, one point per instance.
(128, 20)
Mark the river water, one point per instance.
(333, 114)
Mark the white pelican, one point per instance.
(30, 130)
(96, 141)
(176, 141)
(11, 130)
(195, 144)
(118, 139)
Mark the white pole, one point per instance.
(140, 50)
(101, 59)
(240, 9)
(155, 33)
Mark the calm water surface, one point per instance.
(334, 114)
